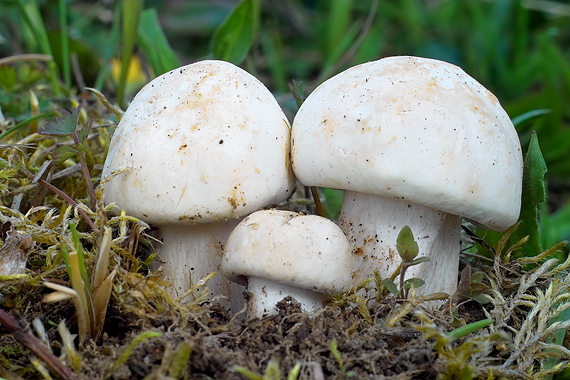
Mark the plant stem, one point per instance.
(86, 174)
(69, 200)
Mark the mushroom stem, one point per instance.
(190, 253)
(266, 294)
(372, 224)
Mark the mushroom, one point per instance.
(284, 253)
(414, 142)
(199, 147)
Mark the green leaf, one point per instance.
(233, 39)
(154, 45)
(476, 278)
(533, 194)
(406, 245)
(297, 89)
(63, 152)
(415, 282)
(389, 284)
(62, 126)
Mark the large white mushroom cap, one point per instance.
(201, 143)
(413, 129)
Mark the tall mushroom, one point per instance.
(199, 147)
(414, 142)
(280, 253)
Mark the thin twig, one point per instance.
(317, 200)
(35, 345)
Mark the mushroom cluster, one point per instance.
(412, 141)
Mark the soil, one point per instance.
(219, 343)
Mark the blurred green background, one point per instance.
(518, 49)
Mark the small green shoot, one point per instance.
(338, 358)
(297, 90)
(470, 287)
(180, 360)
(130, 349)
(408, 250)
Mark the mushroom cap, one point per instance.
(415, 129)
(306, 251)
(201, 143)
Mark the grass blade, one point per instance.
(521, 119)
(468, 329)
(131, 17)
(31, 14)
(65, 58)
(26, 122)
(109, 49)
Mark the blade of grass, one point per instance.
(521, 119)
(131, 17)
(468, 329)
(26, 122)
(64, 43)
(31, 14)
(109, 48)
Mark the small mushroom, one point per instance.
(199, 147)
(283, 253)
(414, 142)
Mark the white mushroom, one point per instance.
(283, 253)
(197, 148)
(414, 142)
